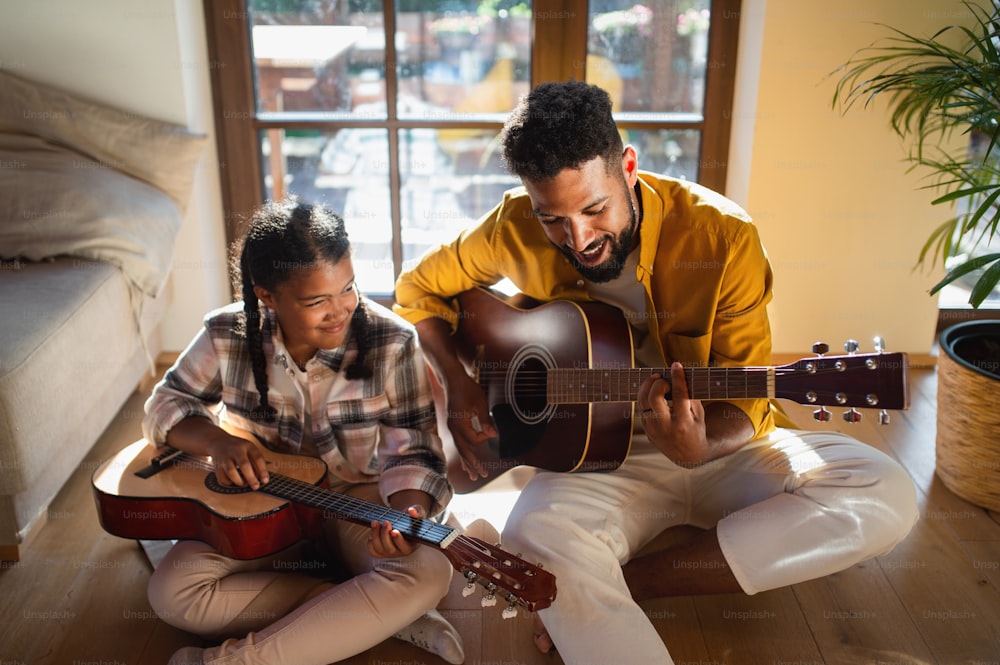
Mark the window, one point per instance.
(389, 111)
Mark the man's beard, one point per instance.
(612, 267)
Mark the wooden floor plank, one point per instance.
(763, 629)
(856, 612)
(955, 608)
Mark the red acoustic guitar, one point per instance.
(560, 382)
(150, 495)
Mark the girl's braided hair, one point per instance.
(284, 237)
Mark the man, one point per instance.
(687, 269)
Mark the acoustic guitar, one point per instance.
(560, 382)
(142, 493)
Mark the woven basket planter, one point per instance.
(968, 412)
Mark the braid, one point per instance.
(255, 340)
(359, 329)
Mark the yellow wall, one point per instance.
(842, 220)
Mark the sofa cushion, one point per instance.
(71, 355)
(160, 153)
(55, 201)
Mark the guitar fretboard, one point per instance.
(577, 386)
(357, 510)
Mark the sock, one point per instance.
(433, 633)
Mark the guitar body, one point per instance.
(511, 344)
(182, 504)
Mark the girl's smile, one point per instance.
(314, 307)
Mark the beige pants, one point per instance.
(264, 607)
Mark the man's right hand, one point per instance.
(469, 423)
(468, 412)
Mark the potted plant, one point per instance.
(940, 88)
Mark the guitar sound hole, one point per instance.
(529, 391)
(522, 419)
(212, 483)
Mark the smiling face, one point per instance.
(589, 214)
(314, 307)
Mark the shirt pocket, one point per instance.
(355, 422)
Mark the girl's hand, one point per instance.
(385, 542)
(238, 462)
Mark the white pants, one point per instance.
(789, 507)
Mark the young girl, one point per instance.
(317, 370)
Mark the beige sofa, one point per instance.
(91, 199)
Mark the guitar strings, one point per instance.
(341, 505)
(565, 385)
(621, 384)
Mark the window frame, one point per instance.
(557, 57)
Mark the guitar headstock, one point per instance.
(877, 380)
(502, 574)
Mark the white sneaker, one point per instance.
(433, 633)
(187, 656)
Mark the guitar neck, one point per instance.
(579, 386)
(359, 511)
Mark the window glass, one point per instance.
(450, 179)
(319, 55)
(672, 152)
(463, 57)
(651, 56)
(346, 170)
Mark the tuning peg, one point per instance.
(490, 599)
(822, 414)
(851, 346)
(510, 611)
(820, 348)
(883, 417)
(852, 415)
(470, 588)
(879, 344)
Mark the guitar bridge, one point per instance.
(159, 463)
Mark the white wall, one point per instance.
(841, 219)
(146, 56)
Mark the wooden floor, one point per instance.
(78, 596)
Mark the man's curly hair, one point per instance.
(558, 126)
